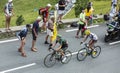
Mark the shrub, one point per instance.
(79, 5)
(20, 20)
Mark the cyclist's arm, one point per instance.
(59, 48)
(85, 38)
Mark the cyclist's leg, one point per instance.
(91, 44)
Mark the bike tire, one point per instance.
(68, 56)
(97, 52)
(82, 54)
(49, 60)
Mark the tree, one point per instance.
(79, 5)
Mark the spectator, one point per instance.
(82, 23)
(114, 3)
(61, 8)
(50, 30)
(8, 10)
(22, 36)
(35, 29)
(113, 12)
(89, 13)
(45, 14)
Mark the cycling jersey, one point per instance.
(62, 42)
(93, 36)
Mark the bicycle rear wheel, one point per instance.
(82, 54)
(68, 56)
(96, 52)
(49, 60)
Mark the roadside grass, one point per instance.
(99, 7)
(27, 8)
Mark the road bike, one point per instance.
(84, 52)
(51, 58)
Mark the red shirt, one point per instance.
(45, 12)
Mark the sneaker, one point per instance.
(46, 42)
(64, 59)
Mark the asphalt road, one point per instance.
(12, 62)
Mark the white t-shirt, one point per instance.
(8, 8)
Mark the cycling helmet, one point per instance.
(59, 36)
(87, 32)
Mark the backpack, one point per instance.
(40, 12)
(106, 17)
(74, 24)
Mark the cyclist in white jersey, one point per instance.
(93, 39)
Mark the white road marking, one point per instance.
(21, 67)
(114, 43)
(77, 29)
(9, 41)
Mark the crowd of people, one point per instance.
(85, 19)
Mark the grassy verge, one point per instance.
(99, 7)
(27, 8)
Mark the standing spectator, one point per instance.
(45, 15)
(82, 23)
(50, 30)
(113, 12)
(8, 10)
(22, 36)
(114, 2)
(88, 15)
(35, 29)
(61, 8)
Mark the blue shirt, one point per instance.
(23, 32)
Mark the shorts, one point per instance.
(64, 47)
(49, 32)
(9, 14)
(81, 26)
(34, 37)
(60, 12)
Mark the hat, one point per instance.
(9, 0)
(49, 5)
(38, 18)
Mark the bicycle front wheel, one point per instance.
(82, 54)
(96, 52)
(67, 57)
(49, 60)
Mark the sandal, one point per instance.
(34, 49)
(24, 55)
(19, 50)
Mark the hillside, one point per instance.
(27, 8)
